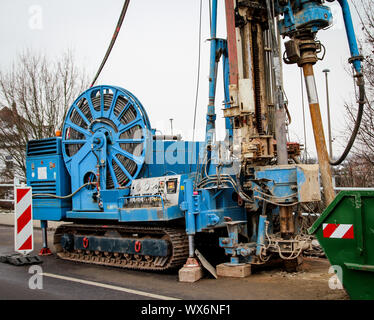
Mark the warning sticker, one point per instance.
(42, 173)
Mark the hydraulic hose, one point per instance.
(49, 195)
(355, 59)
(360, 112)
(116, 31)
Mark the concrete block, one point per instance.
(190, 274)
(240, 271)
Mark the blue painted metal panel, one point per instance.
(46, 174)
(94, 215)
(215, 205)
(206, 208)
(285, 183)
(281, 181)
(172, 157)
(150, 214)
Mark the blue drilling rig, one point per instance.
(135, 199)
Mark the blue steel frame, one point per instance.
(218, 49)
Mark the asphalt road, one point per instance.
(76, 281)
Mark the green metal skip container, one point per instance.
(345, 231)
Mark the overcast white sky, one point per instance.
(155, 56)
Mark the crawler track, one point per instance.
(177, 238)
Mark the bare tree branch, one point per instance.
(35, 95)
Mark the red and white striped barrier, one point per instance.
(338, 231)
(23, 226)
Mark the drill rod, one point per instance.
(319, 137)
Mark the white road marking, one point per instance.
(108, 286)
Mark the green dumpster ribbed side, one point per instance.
(345, 231)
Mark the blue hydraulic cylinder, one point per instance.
(353, 47)
(226, 78)
(191, 204)
(260, 233)
(44, 226)
(211, 116)
(191, 207)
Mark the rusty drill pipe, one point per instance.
(319, 137)
(287, 225)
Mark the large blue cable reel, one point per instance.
(106, 124)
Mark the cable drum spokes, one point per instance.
(117, 114)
